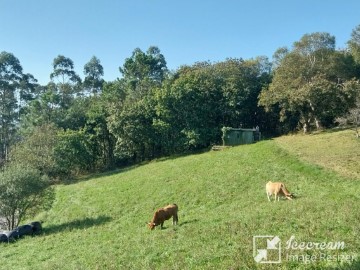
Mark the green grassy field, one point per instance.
(99, 222)
(335, 150)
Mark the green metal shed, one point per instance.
(237, 136)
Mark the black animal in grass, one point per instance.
(27, 229)
(36, 227)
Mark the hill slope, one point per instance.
(338, 151)
(99, 223)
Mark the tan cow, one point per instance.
(163, 214)
(278, 189)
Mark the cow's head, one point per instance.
(290, 196)
(151, 225)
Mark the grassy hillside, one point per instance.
(99, 223)
(336, 150)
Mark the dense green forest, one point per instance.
(72, 126)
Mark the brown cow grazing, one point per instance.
(163, 214)
(278, 189)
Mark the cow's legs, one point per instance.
(175, 219)
(268, 196)
(161, 225)
(275, 197)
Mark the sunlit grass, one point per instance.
(99, 223)
(336, 150)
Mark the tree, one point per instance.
(352, 118)
(189, 109)
(93, 71)
(66, 81)
(24, 191)
(101, 141)
(142, 65)
(44, 109)
(36, 150)
(199, 100)
(144, 70)
(28, 90)
(10, 77)
(354, 44)
(72, 152)
(242, 83)
(133, 131)
(310, 81)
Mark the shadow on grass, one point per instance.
(180, 224)
(99, 175)
(330, 130)
(130, 167)
(77, 224)
(188, 222)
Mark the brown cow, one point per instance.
(163, 214)
(277, 188)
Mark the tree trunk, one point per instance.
(317, 121)
(305, 128)
(318, 124)
(306, 125)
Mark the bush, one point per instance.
(23, 191)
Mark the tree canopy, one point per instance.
(69, 126)
(312, 81)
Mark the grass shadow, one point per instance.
(188, 222)
(77, 224)
(329, 131)
(180, 224)
(130, 167)
(99, 175)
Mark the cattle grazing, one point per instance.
(163, 214)
(278, 189)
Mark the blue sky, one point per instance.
(185, 31)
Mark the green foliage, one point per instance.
(28, 90)
(313, 82)
(24, 191)
(203, 98)
(188, 110)
(150, 112)
(101, 142)
(72, 153)
(93, 71)
(64, 70)
(189, 105)
(134, 132)
(36, 150)
(143, 71)
(10, 77)
(65, 82)
(225, 132)
(140, 66)
(352, 119)
(354, 44)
